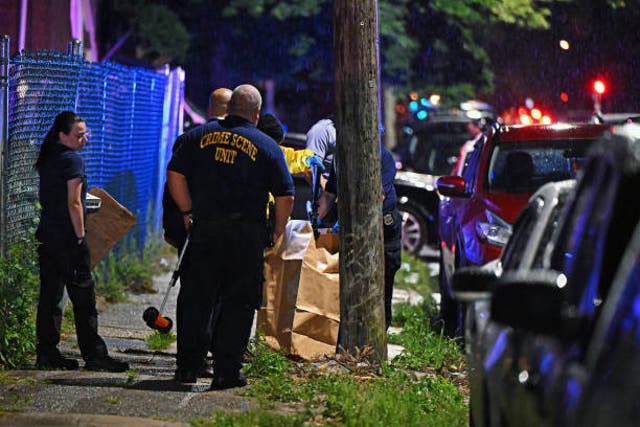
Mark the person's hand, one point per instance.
(82, 264)
(315, 161)
(188, 221)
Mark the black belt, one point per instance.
(233, 217)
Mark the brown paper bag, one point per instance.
(301, 305)
(282, 268)
(106, 226)
(316, 320)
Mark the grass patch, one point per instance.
(12, 402)
(417, 388)
(113, 400)
(403, 312)
(414, 274)
(5, 378)
(251, 419)
(425, 348)
(347, 393)
(160, 341)
(132, 376)
(126, 268)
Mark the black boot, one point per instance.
(106, 363)
(56, 361)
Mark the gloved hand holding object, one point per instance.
(315, 161)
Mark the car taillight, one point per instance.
(495, 230)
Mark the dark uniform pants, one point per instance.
(57, 265)
(225, 271)
(392, 227)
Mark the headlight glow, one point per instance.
(495, 231)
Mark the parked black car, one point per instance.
(561, 336)
(524, 251)
(430, 150)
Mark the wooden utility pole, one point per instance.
(355, 38)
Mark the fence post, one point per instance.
(74, 48)
(4, 139)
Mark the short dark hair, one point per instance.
(269, 124)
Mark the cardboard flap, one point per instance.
(106, 226)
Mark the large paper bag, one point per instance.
(316, 320)
(301, 304)
(106, 226)
(282, 268)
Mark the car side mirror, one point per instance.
(535, 301)
(473, 283)
(452, 186)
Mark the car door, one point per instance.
(450, 209)
(603, 391)
(531, 362)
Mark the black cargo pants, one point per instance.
(58, 261)
(225, 271)
(392, 228)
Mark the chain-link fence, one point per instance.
(133, 114)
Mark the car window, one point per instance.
(523, 167)
(522, 228)
(434, 149)
(626, 321)
(582, 245)
(550, 227)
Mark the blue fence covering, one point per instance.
(134, 115)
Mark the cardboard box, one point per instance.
(107, 225)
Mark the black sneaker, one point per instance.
(106, 363)
(222, 383)
(206, 370)
(56, 362)
(185, 376)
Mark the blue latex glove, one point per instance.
(336, 227)
(315, 161)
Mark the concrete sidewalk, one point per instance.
(145, 396)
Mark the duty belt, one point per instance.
(229, 217)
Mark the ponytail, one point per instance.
(62, 123)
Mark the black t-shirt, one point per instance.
(62, 165)
(231, 167)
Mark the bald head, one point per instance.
(246, 102)
(219, 102)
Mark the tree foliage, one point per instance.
(158, 34)
(420, 41)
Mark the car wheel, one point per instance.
(414, 231)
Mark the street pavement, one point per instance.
(144, 396)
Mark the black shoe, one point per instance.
(222, 383)
(206, 370)
(56, 362)
(185, 376)
(106, 363)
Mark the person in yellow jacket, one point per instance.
(299, 161)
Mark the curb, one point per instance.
(80, 420)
